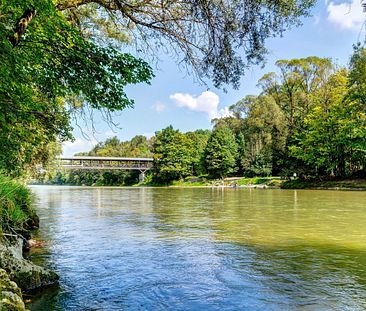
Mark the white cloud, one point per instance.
(69, 148)
(207, 102)
(347, 15)
(159, 107)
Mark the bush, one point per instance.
(16, 213)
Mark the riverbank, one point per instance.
(345, 184)
(243, 182)
(267, 182)
(231, 182)
(17, 220)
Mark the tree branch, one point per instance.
(21, 26)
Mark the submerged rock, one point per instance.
(27, 275)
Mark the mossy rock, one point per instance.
(27, 275)
(10, 294)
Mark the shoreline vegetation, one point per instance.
(18, 219)
(241, 182)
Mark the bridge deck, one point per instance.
(106, 163)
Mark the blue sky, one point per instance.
(174, 98)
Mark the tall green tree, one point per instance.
(322, 143)
(293, 86)
(172, 155)
(296, 88)
(357, 96)
(198, 144)
(357, 76)
(332, 138)
(266, 134)
(220, 153)
(333, 141)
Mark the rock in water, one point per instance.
(27, 275)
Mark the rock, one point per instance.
(27, 275)
(14, 248)
(10, 294)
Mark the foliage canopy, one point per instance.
(219, 39)
(49, 71)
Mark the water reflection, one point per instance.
(203, 249)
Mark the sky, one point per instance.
(175, 98)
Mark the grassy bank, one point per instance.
(17, 218)
(356, 184)
(228, 182)
(16, 213)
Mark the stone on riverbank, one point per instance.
(10, 294)
(27, 275)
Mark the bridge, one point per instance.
(107, 163)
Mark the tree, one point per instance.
(334, 135)
(138, 147)
(320, 144)
(266, 135)
(172, 155)
(220, 153)
(218, 39)
(332, 142)
(198, 140)
(293, 87)
(48, 72)
(357, 96)
(242, 151)
(357, 76)
(240, 108)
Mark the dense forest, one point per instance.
(309, 119)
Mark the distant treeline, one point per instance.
(309, 119)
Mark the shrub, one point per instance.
(16, 213)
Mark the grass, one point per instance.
(256, 181)
(190, 183)
(342, 184)
(230, 182)
(275, 182)
(15, 205)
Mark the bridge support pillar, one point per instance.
(142, 176)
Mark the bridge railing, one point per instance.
(106, 163)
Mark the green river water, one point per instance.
(202, 249)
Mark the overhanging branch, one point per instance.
(21, 26)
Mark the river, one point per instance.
(202, 249)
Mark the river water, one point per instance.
(202, 249)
